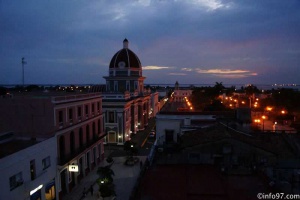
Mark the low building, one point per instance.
(171, 125)
(28, 168)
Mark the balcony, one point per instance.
(67, 158)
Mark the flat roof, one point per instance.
(14, 146)
(191, 182)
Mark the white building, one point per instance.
(29, 173)
(170, 125)
(180, 93)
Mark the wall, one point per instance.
(24, 114)
(20, 162)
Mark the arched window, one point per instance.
(72, 142)
(94, 130)
(80, 138)
(87, 132)
(99, 126)
(62, 147)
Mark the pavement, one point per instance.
(125, 179)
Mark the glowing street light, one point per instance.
(263, 119)
(257, 121)
(269, 108)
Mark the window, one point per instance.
(98, 106)
(127, 85)
(86, 110)
(15, 181)
(71, 114)
(135, 85)
(93, 108)
(79, 112)
(46, 162)
(111, 117)
(99, 126)
(32, 169)
(60, 117)
(115, 86)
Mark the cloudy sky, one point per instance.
(191, 41)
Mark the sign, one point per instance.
(73, 168)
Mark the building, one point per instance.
(126, 104)
(180, 94)
(171, 125)
(216, 162)
(75, 120)
(28, 168)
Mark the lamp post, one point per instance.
(263, 119)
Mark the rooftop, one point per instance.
(14, 146)
(275, 143)
(199, 182)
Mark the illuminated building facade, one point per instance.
(180, 93)
(126, 104)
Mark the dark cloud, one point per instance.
(73, 41)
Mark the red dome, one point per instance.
(125, 58)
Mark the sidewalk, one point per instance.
(124, 180)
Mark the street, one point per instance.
(141, 140)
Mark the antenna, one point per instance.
(23, 63)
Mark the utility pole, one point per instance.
(23, 63)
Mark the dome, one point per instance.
(125, 58)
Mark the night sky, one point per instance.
(189, 41)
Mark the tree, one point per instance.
(105, 174)
(218, 88)
(230, 91)
(105, 181)
(3, 91)
(216, 105)
(130, 148)
(250, 90)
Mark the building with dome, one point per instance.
(126, 104)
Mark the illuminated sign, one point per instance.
(36, 189)
(73, 168)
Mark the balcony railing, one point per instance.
(67, 158)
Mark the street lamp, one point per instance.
(263, 119)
